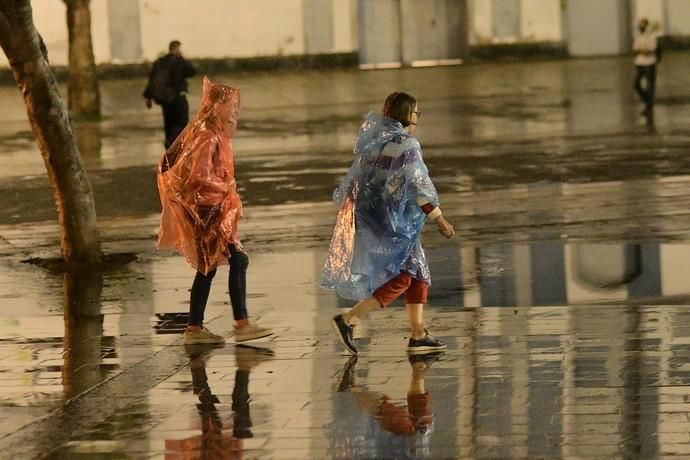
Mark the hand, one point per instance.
(149, 103)
(444, 227)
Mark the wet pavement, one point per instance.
(563, 299)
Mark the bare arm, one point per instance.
(434, 213)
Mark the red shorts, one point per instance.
(414, 289)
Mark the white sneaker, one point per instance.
(251, 332)
(203, 335)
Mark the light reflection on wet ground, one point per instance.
(587, 382)
(607, 377)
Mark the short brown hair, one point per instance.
(399, 106)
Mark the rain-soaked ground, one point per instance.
(563, 299)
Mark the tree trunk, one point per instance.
(51, 125)
(83, 94)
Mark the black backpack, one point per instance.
(162, 90)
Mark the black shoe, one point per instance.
(427, 358)
(242, 433)
(426, 344)
(344, 332)
(347, 378)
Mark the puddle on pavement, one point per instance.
(117, 319)
(557, 273)
(547, 382)
(534, 379)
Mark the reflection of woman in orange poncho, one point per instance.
(201, 209)
(219, 439)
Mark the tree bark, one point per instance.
(79, 236)
(83, 94)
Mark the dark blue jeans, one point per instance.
(646, 92)
(237, 284)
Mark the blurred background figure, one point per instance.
(167, 87)
(645, 48)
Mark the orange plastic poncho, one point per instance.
(196, 183)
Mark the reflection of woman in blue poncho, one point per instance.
(375, 254)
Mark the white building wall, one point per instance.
(653, 10)
(99, 31)
(677, 16)
(50, 18)
(673, 259)
(222, 28)
(672, 15)
(481, 23)
(248, 28)
(597, 28)
(541, 21)
(650, 9)
(51, 22)
(345, 26)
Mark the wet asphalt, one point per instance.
(563, 298)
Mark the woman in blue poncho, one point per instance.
(375, 253)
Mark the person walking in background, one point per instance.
(645, 49)
(202, 210)
(375, 253)
(167, 87)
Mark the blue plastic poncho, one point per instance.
(378, 227)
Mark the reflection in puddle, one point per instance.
(548, 381)
(43, 367)
(89, 354)
(170, 323)
(217, 440)
(559, 273)
(393, 429)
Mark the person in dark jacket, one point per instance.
(167, 87)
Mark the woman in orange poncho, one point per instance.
(201, 209)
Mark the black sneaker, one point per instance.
(427, 358)
(344, 332)
(347, 377)
(426, 344)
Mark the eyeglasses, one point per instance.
(418, 112)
